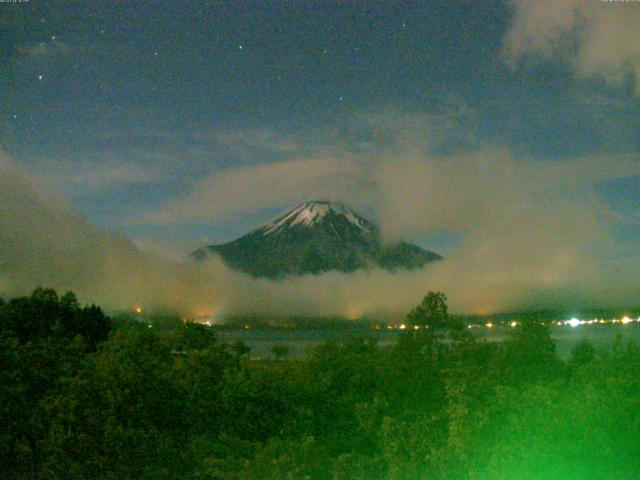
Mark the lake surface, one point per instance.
(301, 340)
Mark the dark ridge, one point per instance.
(309, 240)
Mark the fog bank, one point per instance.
(527, 241)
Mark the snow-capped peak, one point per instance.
(310, 213)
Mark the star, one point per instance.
(40, 77)
(53, 37)
(155, 54)
(240, 47)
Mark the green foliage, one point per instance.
(123, 411)
(288, 459)
(582, 354)
(585, 428)
(44, 314)
(192, 336)
(43, 339)
(529, 355)
(280, 352)
(432, 312)
(174, 401)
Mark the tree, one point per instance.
(193, 336)
(121, 416)
(44, 314)
(582, 353)
(288, 459)
(240, 348)
(528, 354)
(281, 352)
(431, 313)
(202, 374)
(43, 338)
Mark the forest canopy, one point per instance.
(87, 396)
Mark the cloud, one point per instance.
(391, 162)
(533, 236)
(599, 39)
(45, 50)
(421, 192)
(78, 178)
(338, 164)
(531, 233)
(45, 241)
(248, 141)
(231, 192)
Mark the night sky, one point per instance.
(127, 107)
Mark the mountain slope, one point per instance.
(316, 237)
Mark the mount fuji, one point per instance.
(313, 238)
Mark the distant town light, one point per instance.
(574, 322)
(489, 325)
(138, 309)
(513, 324)
(402, 326)
(626, 320)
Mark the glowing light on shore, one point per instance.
(138, 309)
(574, 322)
